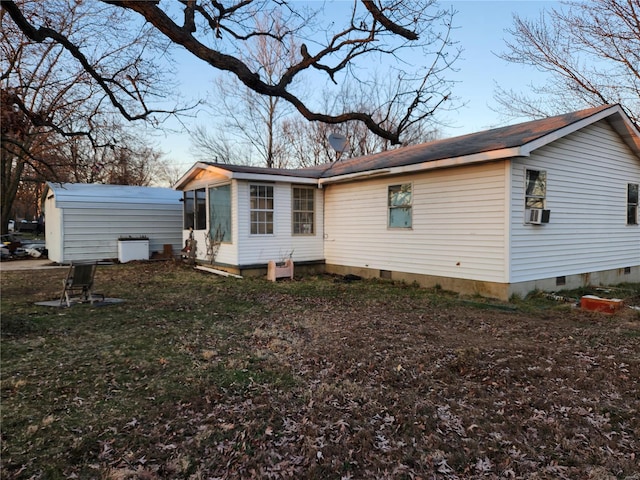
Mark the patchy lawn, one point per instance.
(197, 376)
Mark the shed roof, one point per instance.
(505, 142)
(68, 193)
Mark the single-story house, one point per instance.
(86, 221)
(546, 204)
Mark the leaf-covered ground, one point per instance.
(201, 377)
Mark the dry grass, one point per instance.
(195, 376)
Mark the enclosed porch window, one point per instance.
(220, 213)
(195, 209)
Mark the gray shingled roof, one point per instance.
(495, 139)
(485, 141)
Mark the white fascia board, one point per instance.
(431, 165)
(265, 177)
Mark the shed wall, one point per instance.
(53, 230)
(458, 229)
(91, 232)
(587, 176)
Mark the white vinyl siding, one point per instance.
(84, 222)
(458, 224)
(92, 233)
(259, 249)
(587, 177)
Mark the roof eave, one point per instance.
(614, 114)
(626, 129)
(482, 157)
(193, 172)
(230, 174)
(265, 177)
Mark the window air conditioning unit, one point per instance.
(537, 216)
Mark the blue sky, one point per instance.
(481, 33)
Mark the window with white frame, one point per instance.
(632, 204)
(535, 193)
(261, 209)
(303, 211)
(399, 202)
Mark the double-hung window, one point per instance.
(632, 204)
(195, 209)
(399, 201)
(261, 209)
(303, 210)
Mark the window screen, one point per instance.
(632, 204)
(536, 189)
(188, 198)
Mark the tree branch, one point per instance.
(41, 34)
(377, 14)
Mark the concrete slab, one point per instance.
(29, 264)
(98, 303)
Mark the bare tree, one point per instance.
(214, 145)
(590, 49)
(216, 32)
(131, 161)
(245, 119)
(167, 174)
(253, 128)
(307, 144)
(52, 92)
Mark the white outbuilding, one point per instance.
(98, 222)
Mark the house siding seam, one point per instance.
(458, 227)
(587, 176)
